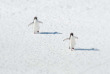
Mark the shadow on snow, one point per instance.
(49, 33)
(84, 49)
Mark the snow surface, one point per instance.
(22, 52)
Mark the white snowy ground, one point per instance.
(22, 52)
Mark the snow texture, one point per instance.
(23, 52)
